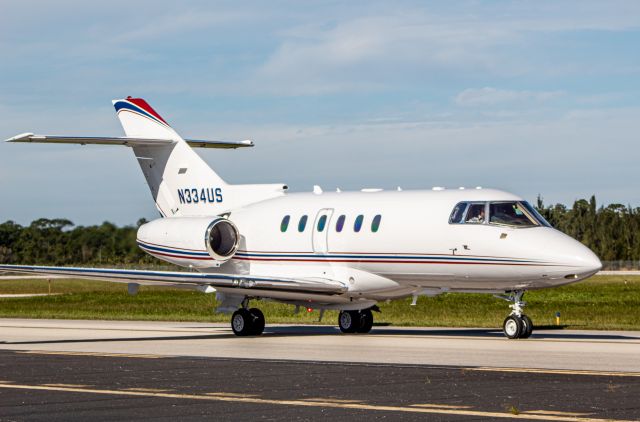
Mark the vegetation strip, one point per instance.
(603, 302)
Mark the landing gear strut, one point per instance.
(517, 324)
(355, 321)
(247, 322)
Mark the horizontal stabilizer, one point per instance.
(107, 140)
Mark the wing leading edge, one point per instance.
(226, 281)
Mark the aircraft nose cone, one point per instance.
(585, 261)
(592, 264)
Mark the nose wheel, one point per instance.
(517, 324)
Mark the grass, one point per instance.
(603, 302)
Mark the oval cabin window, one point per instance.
(285, 223)
(322, 221)
(302, 223)
(357, 225)
(375, 224)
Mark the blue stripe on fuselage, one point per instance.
(175, 251)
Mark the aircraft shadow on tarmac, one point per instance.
(314, 330)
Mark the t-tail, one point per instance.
(181, 182)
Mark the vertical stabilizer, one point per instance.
(181, 183)
(175, 173)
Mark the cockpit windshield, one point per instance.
(505, 213)
(535, 214)
(510, 214)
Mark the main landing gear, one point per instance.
(355, 321)
(247, 322)
(250, 321)
(517, 324)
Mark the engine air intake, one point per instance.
(222, 239)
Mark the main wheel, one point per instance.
(366, 321)
(242, 322)
(527, 327)
(258, 321)
(512, 326)
(348, 321)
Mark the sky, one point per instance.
(539, 97)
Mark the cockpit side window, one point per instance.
(458, 213)
(475, 214)
(510, 214)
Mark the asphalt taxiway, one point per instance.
(100, 370)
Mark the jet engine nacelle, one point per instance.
(204, 241)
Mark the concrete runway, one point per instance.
(103, 370)
(548, 349)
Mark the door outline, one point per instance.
(320, 240)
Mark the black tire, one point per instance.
(258, 321)
(512, 326)
(527, 327)
(366, 321)
(242, 322)
(348, 321)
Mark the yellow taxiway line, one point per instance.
(96, 354)
(328, 403)
(553, 371)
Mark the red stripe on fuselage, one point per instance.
(377, 261)
(382, 253)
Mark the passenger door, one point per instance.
(320, 231)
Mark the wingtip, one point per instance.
(21, 137)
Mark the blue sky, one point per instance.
(530, 97)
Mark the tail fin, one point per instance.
(174, 172)
(181, 183)
(140, 120)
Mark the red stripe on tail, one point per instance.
(146, 107)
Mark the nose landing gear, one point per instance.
(517, 324)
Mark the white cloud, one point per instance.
(489, 96)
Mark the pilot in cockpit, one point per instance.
(475, 214)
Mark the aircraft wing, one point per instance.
(106, 140)
(185, 279)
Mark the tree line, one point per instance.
(60, 242)
(612, 232)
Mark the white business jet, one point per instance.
(344, 251)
